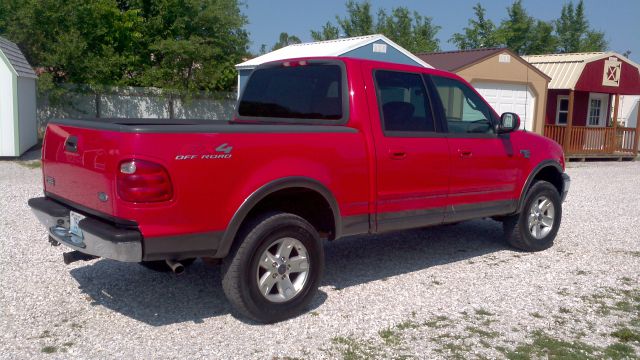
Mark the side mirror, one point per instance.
(509, 122)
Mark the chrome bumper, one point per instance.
(565, 187)
(99, 237)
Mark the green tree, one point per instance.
(515, 30)
(328, 32)
(411, 30)
(574, 32)
(542, 39)
(186, 45)
(481, 32)
(285, 40)
(525, 35)
(359, 20)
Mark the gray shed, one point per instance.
(371, 47)
(18, 122)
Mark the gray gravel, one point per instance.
(430, 293)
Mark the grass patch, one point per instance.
(437, 323)
(547, 347)
(314, 313)
(390, 337)
(626, 335)
(619, 351)
(483, 312)
(564, 310)
(35, 164)
(482, 333)
(407, 325)
(353, 349)
(49, 349)
(68, 344)
(537, 315)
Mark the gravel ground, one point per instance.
(445, 292)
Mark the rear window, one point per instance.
(311, 91)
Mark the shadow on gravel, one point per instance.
(163, 298)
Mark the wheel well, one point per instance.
(552, 175)
(306, 203)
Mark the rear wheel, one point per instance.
(536, 227)
(274, 270)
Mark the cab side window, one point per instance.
(465, 111)
(404, 102)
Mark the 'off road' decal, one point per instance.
(206, 152)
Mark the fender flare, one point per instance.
(525, 189)
(250, 202)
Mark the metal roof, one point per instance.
(16, 59)
(565, 69)
(325, 48)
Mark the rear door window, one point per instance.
(312, 91)
(404, 102)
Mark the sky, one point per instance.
(268, 18)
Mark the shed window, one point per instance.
(562, 110)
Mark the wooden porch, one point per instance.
(582, 142)
(612, 142)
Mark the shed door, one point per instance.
(515, 98)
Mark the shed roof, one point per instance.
(565, 69)
(457, 60)
(454, 60)
(16, 59)
(325, 48)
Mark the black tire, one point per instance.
(516, 228)
(161, 265)
(239, 272)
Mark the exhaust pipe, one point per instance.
(175, 266)
(73, 256)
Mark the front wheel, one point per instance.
(274, 270)
(536, 227)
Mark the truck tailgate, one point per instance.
(79, 165)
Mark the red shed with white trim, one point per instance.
(583, 102)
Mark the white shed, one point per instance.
(372, 47)
(18, 122)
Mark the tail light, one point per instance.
(143, 181)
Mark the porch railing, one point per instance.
(593, 140)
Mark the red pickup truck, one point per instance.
(318, 149)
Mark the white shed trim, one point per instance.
(325, 48)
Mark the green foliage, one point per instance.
(574, 33)
(481, 32)
(409, 29)
(525, 35)
(412, 31)
(286, 40)
(328, 32)
(359, 20)
(184, 45)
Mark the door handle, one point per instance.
(397, 154)
(465, 153)
(71, 145)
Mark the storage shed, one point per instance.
(372, 47)
(18, 123)
(503, 78)
(585, 98)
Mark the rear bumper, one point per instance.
(100, 238)
(565, 186)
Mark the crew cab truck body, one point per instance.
(319, 149)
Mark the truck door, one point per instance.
(483, 165)
(412, 158)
